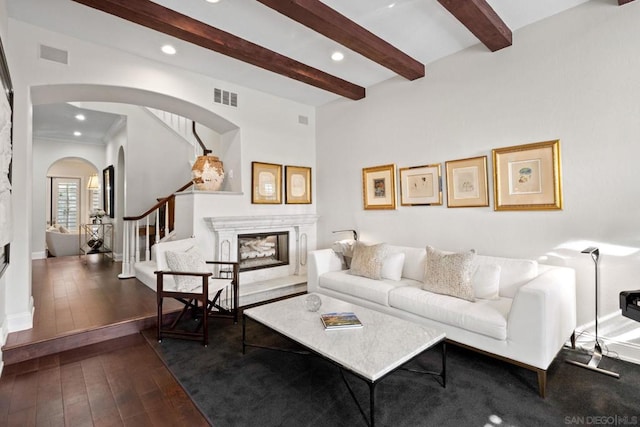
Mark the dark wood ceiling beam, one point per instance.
(327, 21)
(621, 2)
(482, 21)
(167, 21)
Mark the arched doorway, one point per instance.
(72, 193)
(70, 93)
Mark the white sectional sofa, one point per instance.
(526, 320)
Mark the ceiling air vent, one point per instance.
(53, 54)
(225, 97)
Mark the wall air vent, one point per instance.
(225, 97)
(303, 120)
(53, 54)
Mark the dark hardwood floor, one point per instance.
(111, 382)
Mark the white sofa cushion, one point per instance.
(414, 259)
(376, 291)
(486, 281)
(486, 317)
(513, 272)
(449, 273)
(392, 266)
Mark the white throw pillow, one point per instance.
(392, 266)
(486, 281)
(449, 273)
(64, 229)
(189, 261)
(367, 260)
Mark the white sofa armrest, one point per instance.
(543, 315)
(321, 261)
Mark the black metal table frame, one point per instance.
(372, 384)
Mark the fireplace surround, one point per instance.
(301, 229)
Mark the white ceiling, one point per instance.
(421, 28)
(59, 122)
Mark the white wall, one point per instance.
(572, 77)
(150, 148)
(268, 126)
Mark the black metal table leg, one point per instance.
(372, 398)
(244, 333)
(444, 364)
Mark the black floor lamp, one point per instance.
(596, 357)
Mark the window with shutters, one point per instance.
(66, 202)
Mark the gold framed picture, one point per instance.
(297, 183)
(421, 185)
(266, 183)
(467, 183)
(528, 177)
(379, 187)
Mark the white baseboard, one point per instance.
(4, 332)
(21, 321)
(39, 255)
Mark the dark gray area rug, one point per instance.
(275, 388)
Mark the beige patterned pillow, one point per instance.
(449, 273)
(367, 260)
(191, 261)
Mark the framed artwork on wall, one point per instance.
(297, 184)
(421, 185)
(6, 158)
(266, 183)
(108, 189)
(528, 177)
(467, 183)
(379, 187)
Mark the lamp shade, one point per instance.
(94, 183)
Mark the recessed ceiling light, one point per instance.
(337, 56)
(168, 49)
(77, 133)
(391, 5)
(212, 1)
(80, 117)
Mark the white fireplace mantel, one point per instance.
(242, 223)
(302, 238)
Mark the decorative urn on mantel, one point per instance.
(208, 173)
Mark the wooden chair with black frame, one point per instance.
(185, 276)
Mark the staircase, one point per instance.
(152, 226)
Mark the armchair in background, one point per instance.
(62, 242)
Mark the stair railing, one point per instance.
(154, 224)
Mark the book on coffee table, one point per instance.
(343, 320)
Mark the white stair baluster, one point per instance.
(137, 241)
(126, 266)
(158, 224)
(166, 219)
(147, 251)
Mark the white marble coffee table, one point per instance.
(381, 346)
